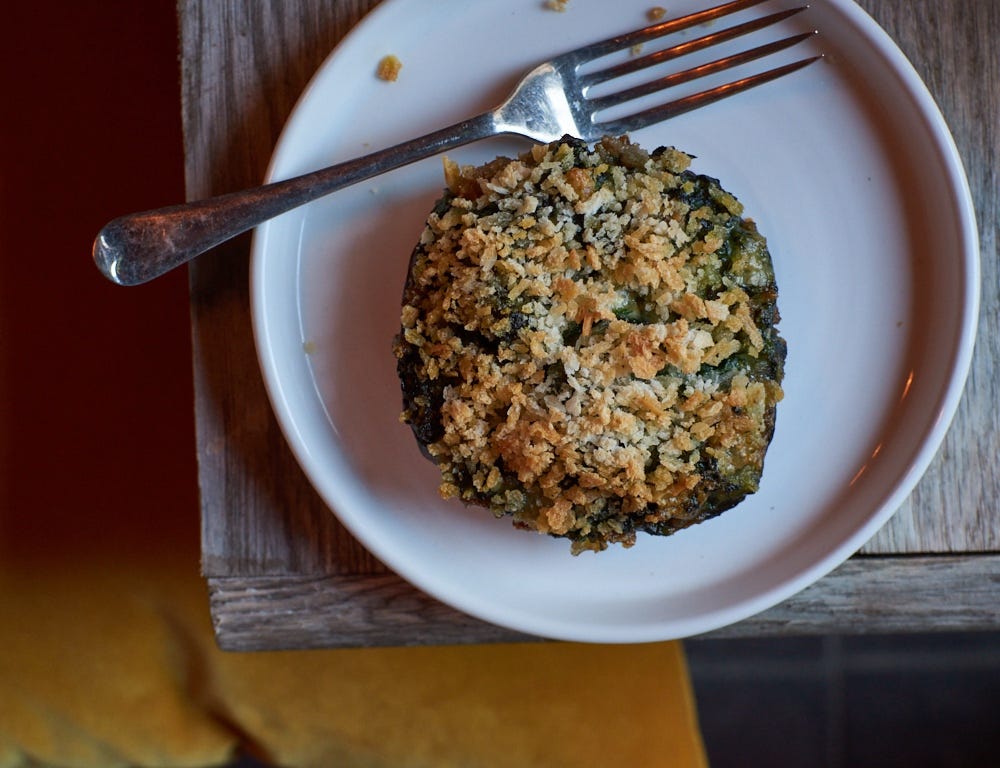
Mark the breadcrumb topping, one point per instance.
(388, 68)
(587, 342)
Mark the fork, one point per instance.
(550, 102)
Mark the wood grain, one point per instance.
(956, 593)
(244, 65)
(953, 47)
(273, 552)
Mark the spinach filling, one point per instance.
(561, 374)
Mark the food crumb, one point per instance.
(388, 68)
(556, 5)
(636, 49)
(309, 347)
(656, 13)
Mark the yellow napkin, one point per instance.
(118, 667)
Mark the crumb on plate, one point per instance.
(388, 68)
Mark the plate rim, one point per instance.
(959, 194)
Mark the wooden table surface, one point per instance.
(283, 573)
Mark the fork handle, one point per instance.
(136, 248)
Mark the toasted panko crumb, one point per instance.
(388, 68)
(556, 5)
(562, 328)
(656, 13)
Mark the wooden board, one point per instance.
(865, 595)
(243, 66)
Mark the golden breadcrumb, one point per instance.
(587, 342)
(388, 68)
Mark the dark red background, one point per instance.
(96, 427)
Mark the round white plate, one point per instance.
(850, 172)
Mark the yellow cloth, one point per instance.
(119, 668)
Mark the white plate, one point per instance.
(851, 174)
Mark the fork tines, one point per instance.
(690, 46)
(656, 31)
(639, 36)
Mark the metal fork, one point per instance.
(548, 103)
